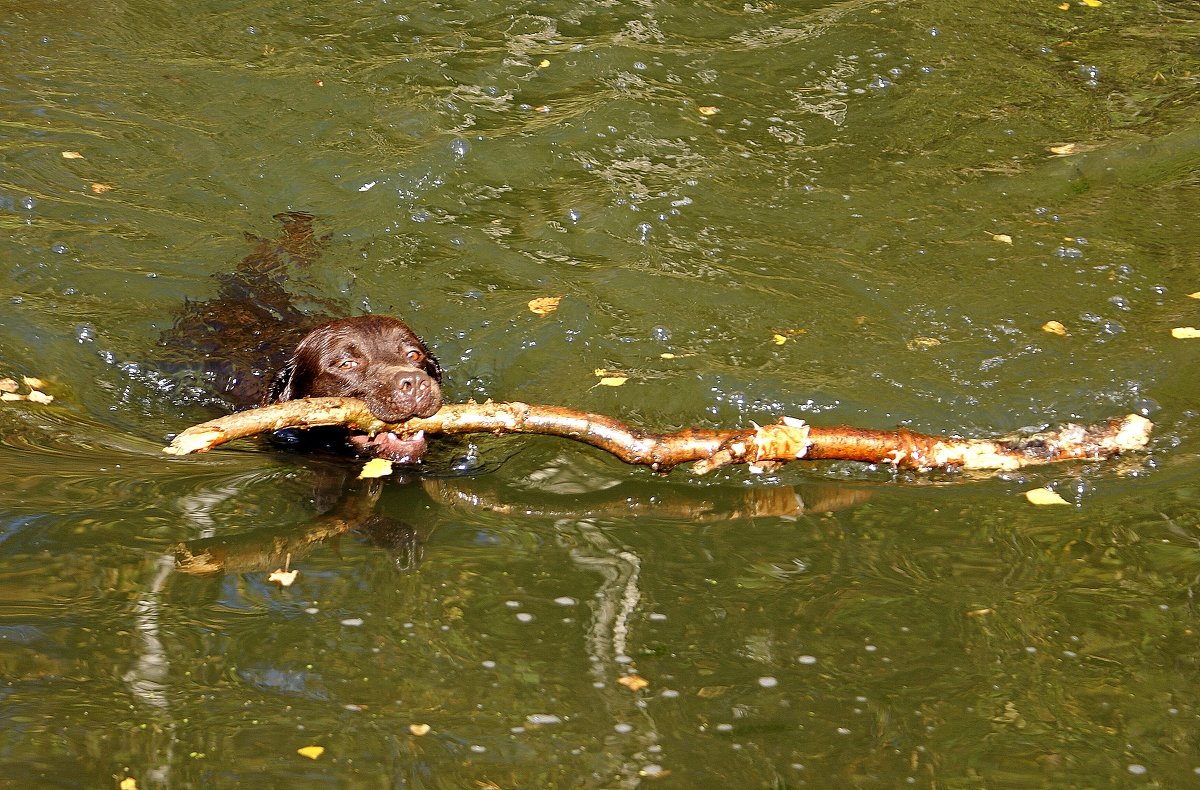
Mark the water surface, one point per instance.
(904, 192)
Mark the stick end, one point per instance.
(191, 441)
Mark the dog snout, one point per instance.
(412, 393)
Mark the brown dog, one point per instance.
(225, 349)
(373, 357)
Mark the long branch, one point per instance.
(788, 440)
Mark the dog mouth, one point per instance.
(395, 447)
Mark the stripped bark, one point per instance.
(788, 440)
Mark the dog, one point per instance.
(376, 358)
(253, 346)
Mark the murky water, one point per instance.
(903, 192)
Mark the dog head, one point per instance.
(375, 358)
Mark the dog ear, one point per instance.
(280, 388)
(433, 367)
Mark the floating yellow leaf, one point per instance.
(1092, 3)
(72, 155)
(781, 337)
(128, 783)
(1044, 496)
(285, 578)
(1054, 328)
(8, 385)
(33, 382)
(100, 189)
(922, 342)
(376, 467)
(543, 63)
(709, 110)
(419, 729)
(544, 304)
(633, 682)
(1066, 149)
(1003, 237)
(610, 378)
(311, 752)
(1185, 332)
(1064, 6)
(666, 355)
(979, 612)
(37, 396)
(542, 108)
(1194, 295)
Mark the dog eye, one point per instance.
(347, 364)
(414, 356)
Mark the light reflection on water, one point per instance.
(877, 185)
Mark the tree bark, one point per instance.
(787, 440)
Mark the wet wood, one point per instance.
(787, 440)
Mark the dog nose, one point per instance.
(409, 383)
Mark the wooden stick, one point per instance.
(788, 440)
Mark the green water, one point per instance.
(850, 193)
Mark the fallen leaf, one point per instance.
(1064, 6)
(311, 752)
(1066, 149)
(319, 83)
(285, 578)
(633, 682)
(419, 729)
(778, 339)
(37, 396)
(128, 783)
(708, 111)
(543, 305)
(1194, 295)
(922, 342)
(1044, 496)
(1054, 328)
(543, 63)
(72, 155)
(542, 108)
(1092, 3)
(376, 467)
(8, 385)
(1004, 237)
(610, 378)
(33, 382)
(10, 396)
(711, 692)
(1185, 332)
(979, 612)
(100, 189)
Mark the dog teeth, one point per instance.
(418, 436)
